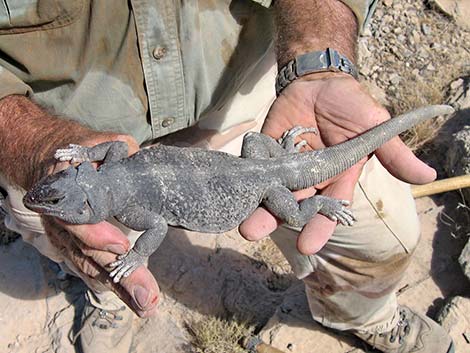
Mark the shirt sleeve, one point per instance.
(10, 84)
(363, 9)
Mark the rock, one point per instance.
(423, 54)
(416, 37)
(460, 93)
(394, 79)
(367, 32)
(397, 6)
(459, 10)
(426, 29)
(458, 128)
(455, 318)
(364, 52)
(388, 3)
(464, 260)
(456, 84)
(458, 156)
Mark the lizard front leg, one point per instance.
(281, 202)
(106, 152)
(155, 227)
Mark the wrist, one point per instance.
(300, 32)
(29, 137)
(323, 76)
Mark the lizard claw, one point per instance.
(336, 211)
(74, 154)
(299, 145)
(125, 265)
(288, 138)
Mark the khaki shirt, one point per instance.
(142, 67)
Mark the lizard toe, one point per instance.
(299, 145)
(119, 272)
(115, 264)
(345, 218)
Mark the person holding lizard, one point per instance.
(205, 72)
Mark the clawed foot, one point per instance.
(287, 141)
(74, 154)
(336, 211)
(125, 265)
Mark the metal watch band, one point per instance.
(316, 61)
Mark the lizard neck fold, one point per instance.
(116, 187)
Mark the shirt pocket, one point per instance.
(20, 16)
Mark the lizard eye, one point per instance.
(54, 201)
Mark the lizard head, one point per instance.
(66, 195)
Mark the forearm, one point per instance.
(29, 137)
(309, 25)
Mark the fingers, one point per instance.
(400, 161)
(315, 235)
(139, 291)
(259, 225)
(100, 236)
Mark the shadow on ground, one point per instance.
(453, 227)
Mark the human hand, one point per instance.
(340, 109)
(91, 247)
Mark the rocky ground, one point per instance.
(413, 53)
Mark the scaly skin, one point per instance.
(200, 190)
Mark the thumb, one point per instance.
(400, 161)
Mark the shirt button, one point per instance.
(159, 52)
(168, 121)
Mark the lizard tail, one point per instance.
(320, 165)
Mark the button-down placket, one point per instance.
(162, 66)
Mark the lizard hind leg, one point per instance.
(282, 203)
(287, 141)
(261, 146)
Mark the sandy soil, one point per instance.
(204, 276)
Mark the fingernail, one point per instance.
(141, 296)
(116, 249)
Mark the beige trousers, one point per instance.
(351, 282)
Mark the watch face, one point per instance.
(316, 61)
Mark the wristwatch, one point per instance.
(315, 61)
